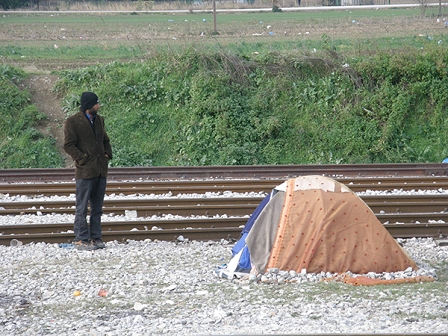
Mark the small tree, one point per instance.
(13, 4)
(423, 4)
(275, 7)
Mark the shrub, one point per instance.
(21, 145)
(224, 108)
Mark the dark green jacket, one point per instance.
(87, 148)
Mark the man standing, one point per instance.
(86, 141)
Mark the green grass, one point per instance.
(21, 144)
(139, 50)
(118, 36)
(246, 96)
(240, 18)
(197, 107)
(96, 52)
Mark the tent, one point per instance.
(317, 224)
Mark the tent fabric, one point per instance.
(317, 224)
(366, 281)
(250, 222)
(244, 264)
(257, 212)
(240, 249)
(332, 230)
(261, 238)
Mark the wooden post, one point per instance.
(214, 16)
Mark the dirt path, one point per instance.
(40, 87)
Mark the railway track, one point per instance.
(177, 187)
(403, 216)
(206, 220)
(232, 206)
(218, 230)
(260, 172)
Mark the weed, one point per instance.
(320, 99)
(22, 146)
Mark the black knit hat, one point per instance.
(88, 100)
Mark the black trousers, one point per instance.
(89, 191)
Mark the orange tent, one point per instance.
(318, 224)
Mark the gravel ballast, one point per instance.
(154, 287)
(170, 288)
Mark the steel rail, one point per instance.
(410, 209)
(204, 234)
(386, 203)
(429, 224)
(133, 203)
(144, 187)
(148, 211)
(202, 230)
(229, 210)
(142, 225)
(219, 186)
(266, 171)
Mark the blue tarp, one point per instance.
(244, 263)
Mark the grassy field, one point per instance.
(345, 86)
(58, 41)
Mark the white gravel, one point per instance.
(167, 288)
(40, 218)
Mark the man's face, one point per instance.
(95, 108)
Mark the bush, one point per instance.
(13, 4)
(21, 145)
(223, 108)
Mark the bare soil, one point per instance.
(40, 87)
(51, 35)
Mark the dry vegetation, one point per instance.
(41, 42)
(145, 31)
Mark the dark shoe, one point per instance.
(98, 243)
(84, 245)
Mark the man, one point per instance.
(86, 141)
